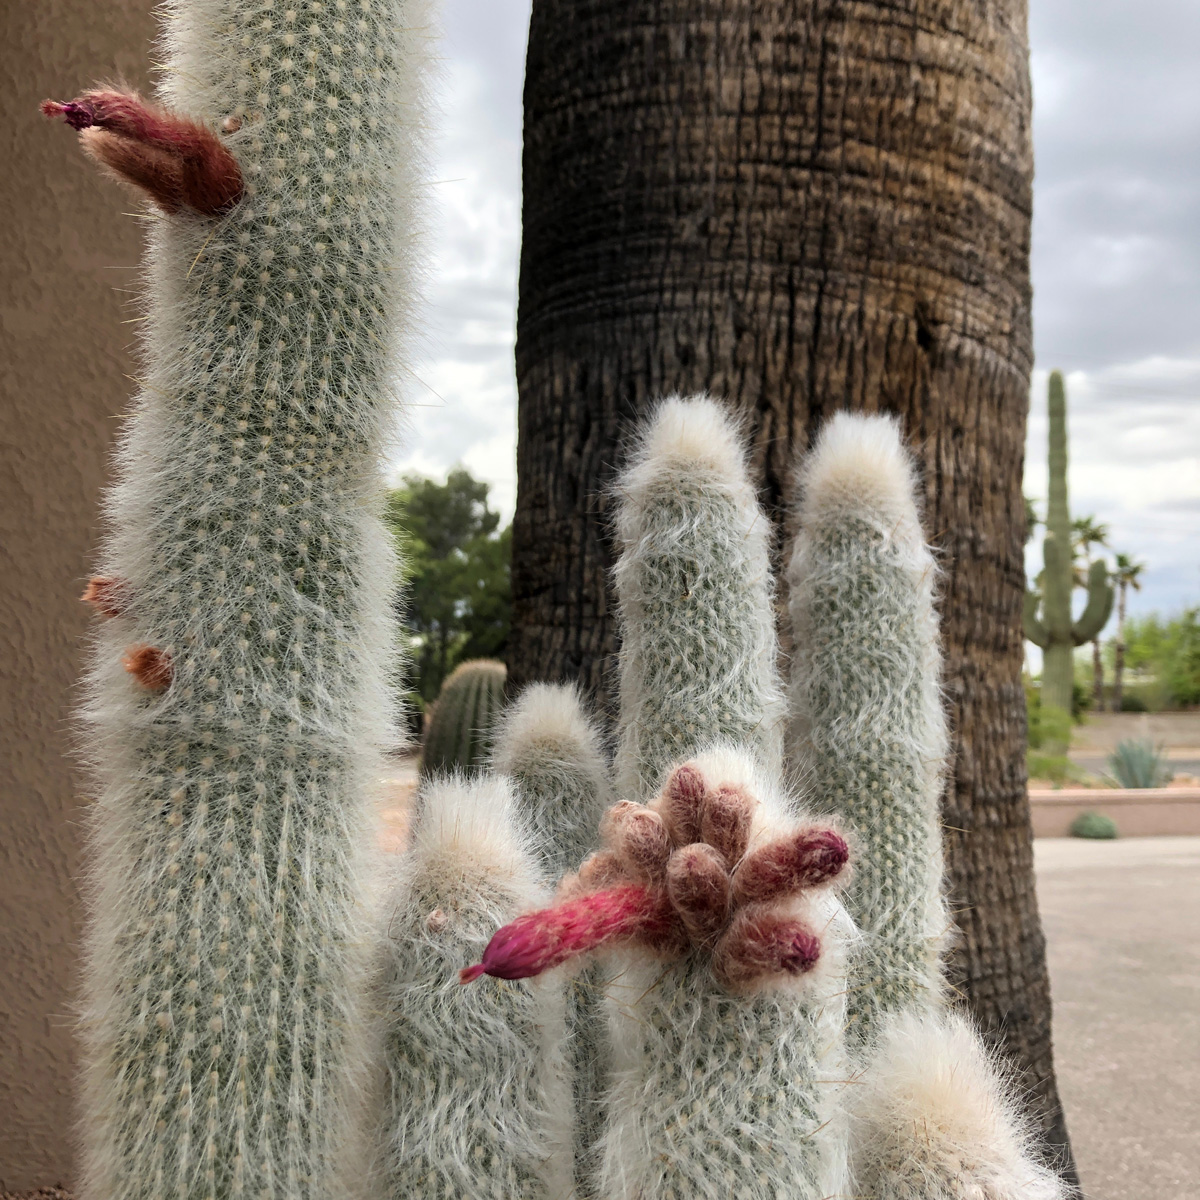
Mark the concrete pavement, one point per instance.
(1122, 924)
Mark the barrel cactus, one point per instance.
(239, 689)
(462, 722)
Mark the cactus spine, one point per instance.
(462, 723)
(931, 1117)
(226, 1035)
(552, 753)
(715, 1095)
(476, 1102)
(1054, 630)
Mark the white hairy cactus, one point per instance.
(715, 1095)
(247, 581)
(697, 624)
(548, 746)
(477, 1103)
(933, 1119)
(552, 752)
(868, 733)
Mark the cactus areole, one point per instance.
(1053, 628)
(239, 689)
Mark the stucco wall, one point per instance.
(66, 251)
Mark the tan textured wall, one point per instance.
(64, 359)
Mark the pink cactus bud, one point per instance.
(78, 116)
(680, 804)
(725, 821)
(807, 859)
(698, 884)
(539, 941)
(759, 945)
(638, 836)
(177, 162)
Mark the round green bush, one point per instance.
(1093, 825)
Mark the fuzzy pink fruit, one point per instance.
(542, 940)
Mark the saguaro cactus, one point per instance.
(1054, 630)
(225, 1030)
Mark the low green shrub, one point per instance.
(1093, 825)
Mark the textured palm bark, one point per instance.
(800, 205)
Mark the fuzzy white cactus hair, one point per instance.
(550, 748)
(696, 618)
(552, 751)
(240, 691)
(716, 1095)
(933, 1118)
(476, 1101)
(868, 732)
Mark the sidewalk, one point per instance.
(1122, 923)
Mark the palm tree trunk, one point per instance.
(801, 206)
(1119, 663)
(1097, 677)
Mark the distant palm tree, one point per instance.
(1032, 520)
(1125, 574)
(1089, 532)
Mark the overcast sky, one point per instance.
(1116, 266)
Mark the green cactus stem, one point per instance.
(226, 1026)
(1047, 615)
(867, 728)
(696, 616)
(463, 719)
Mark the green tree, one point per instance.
(457, 603)
(1126, 575)
(1088, 532)
(1164, 654)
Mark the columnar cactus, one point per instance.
(867, 727)
(932, 1117)
(728, 993)
(461, 724)
(552, 753)
(226, 1032)
(477, 1102)
(693, 579)
(1055, 631)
